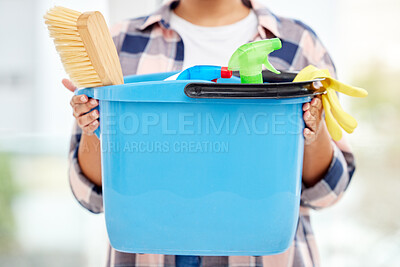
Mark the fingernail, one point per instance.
(307, 106)
(314, 102)
(95, 122)
(83, 98)
(93, 101)
(95, 113)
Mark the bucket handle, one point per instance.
(89, 92)
(250, 91)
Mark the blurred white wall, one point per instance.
(16, 66)
(369, 31)
(30, 78)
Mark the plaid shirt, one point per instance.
(148, 45)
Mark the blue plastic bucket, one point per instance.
(188, 176)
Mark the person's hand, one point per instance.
(313, 119)
(81, 105)
(318, 148)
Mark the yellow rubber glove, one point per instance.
(335, 116)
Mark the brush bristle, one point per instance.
(62, 25)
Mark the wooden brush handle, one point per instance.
(100, 47)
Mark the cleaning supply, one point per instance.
(335, 116)
(85, 46)
(249, 58)
(205, 72)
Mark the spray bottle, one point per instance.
(249, 58)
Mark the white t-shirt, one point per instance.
(213, 45)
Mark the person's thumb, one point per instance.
(69, 85)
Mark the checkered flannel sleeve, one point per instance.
(331, 188)
(87, 193)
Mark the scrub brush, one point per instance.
(85, 46)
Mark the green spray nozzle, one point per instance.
(249, 58)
